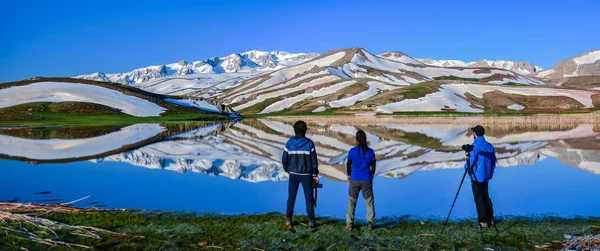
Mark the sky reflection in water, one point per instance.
(535, 183)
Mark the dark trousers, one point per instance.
(307, 186)
(485, 212)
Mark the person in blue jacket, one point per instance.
(482, 161)
(300, 161)
(361, 169)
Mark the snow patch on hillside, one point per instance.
(372, 91)
(63, 92)
(543, 74)
(582, 96)
(200, 104)
(437, 101)
(300, 69)
(589, 58)
(516, 107)
(320, 109)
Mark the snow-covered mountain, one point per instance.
(354, 80)
(586, 64)
(524, 68)
(341, 78)
(250, 61)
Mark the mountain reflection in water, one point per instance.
(541, 171)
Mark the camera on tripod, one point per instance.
(467, 147)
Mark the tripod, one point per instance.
(468, 170)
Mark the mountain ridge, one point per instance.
(236, 62)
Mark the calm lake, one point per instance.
(234, 167)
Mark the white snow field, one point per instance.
(453, 96)
(588, 58)
(287, 103)
(62, 92)
(544, 73)
(51, 149)
(431, 102)
(372, 91)
(320, 109)
(200, 104)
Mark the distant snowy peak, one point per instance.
(586, 64)
(524, 68)
(399, 57)
(249, 61)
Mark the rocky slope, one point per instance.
(586, 64)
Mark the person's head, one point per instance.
(478, 131)
(300, 128)
(361, 139)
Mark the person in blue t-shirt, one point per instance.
(361, 169)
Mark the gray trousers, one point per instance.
(356, 186)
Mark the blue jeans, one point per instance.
(307, 186)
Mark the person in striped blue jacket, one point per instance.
(300, 161)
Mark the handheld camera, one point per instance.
(467, 147)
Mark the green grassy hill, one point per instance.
(71, 112)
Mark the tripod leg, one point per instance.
(497, 231)
(455, 197)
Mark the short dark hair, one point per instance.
(300, 128)
(479, 130)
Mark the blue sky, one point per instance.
(66, 38)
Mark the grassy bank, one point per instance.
(60, 119)
(129, 230)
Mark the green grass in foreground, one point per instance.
(186, 231)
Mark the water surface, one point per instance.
(234, 167)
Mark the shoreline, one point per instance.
(65, 226)
(541, 121)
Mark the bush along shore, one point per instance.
(61, 227)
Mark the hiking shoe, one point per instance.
(349, 226)
(311, 224)
(480, 225)
(288, 222)
(371, 226)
